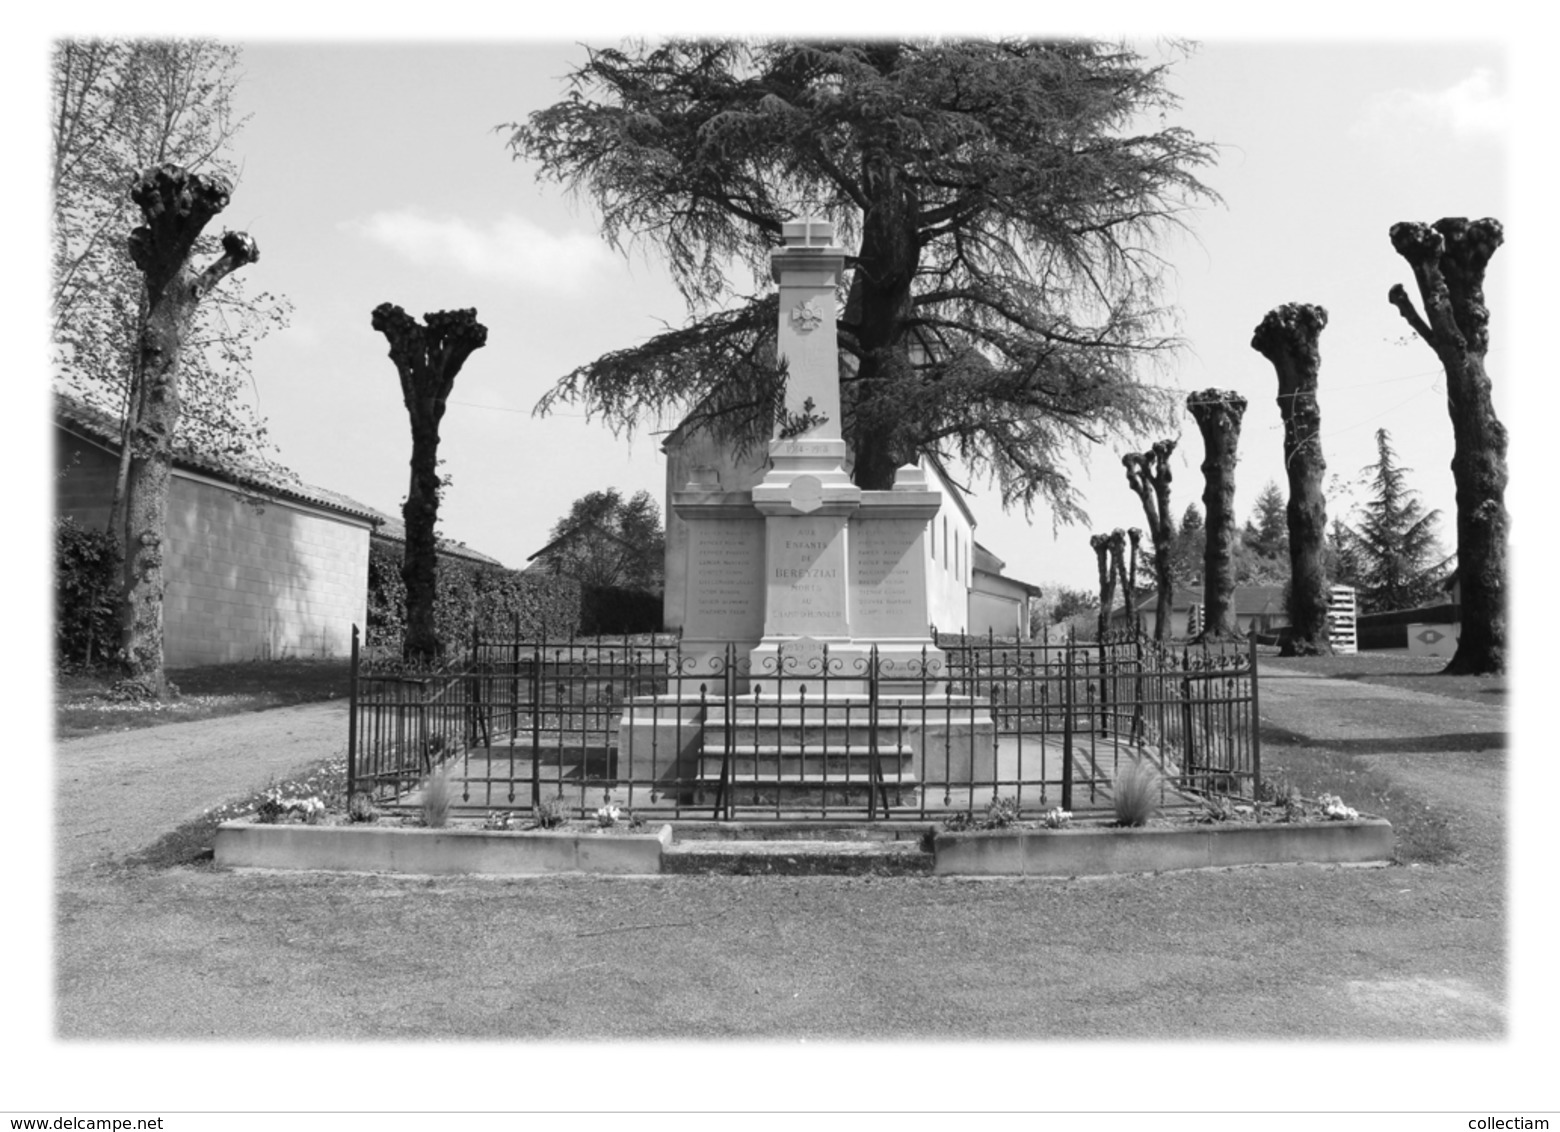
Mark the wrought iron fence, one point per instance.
(806, 731)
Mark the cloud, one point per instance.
(1471, 108)
(511, 249)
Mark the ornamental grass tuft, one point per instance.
(1135, 795)
(437, 798)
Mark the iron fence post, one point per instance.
(1067, 730)
(874, 769)
(537, 656)
(352, 719)
(1256, 729)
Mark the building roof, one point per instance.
(1249, 601)
(394, 530)
(102, 429)
(988, 563)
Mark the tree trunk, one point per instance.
(1287, 337)
(176, 206)
(1148, 474)
(885, 271)
(1107, 571)
(1129, 580)
(1218, 415)
(427, 360)
(420, 561)
(1449, 260)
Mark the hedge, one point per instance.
(86, 594)
(610, 610)
(469, 594)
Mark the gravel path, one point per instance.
(118, 792)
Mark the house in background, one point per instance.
(1258, 609)
(255, 568)
(967, 592)
(998, 604)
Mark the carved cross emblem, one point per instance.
(805, 317)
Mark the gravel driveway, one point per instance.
(118, 792)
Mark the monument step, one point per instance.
(817, 737)
(810, 751)
(810, 795)
(808, 857)
(765, 774)
(812, 699)
(855, 768)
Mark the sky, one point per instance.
(380, 173)
(374, 173)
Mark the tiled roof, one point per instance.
(1247, 600)
(395, 530)
(98, 426)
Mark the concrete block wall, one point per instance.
(253, 579)
(83, 481)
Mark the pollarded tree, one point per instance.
(1218, 415)
(427, 358)
(1449, 259)
(120, 107)
(1148, 474)
(1129, 572)
(176, 205)
(1001, 197)
(1287, 336)
(1106, 567)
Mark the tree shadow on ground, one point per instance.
(1396, 744)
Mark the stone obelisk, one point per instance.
(842, 567)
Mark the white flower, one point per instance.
(1334, 810)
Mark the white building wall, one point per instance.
(950, 552)
(253, 579)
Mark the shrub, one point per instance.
(1135, 794)
(86, 593)
(1001, 813)
(550, 813)
(611, 610)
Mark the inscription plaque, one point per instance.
(725, 579)
(806, 576)
(888, 591)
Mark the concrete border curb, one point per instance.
(388, 849)
(1093, 851)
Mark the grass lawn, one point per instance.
(86, 703)
(1394, 668)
